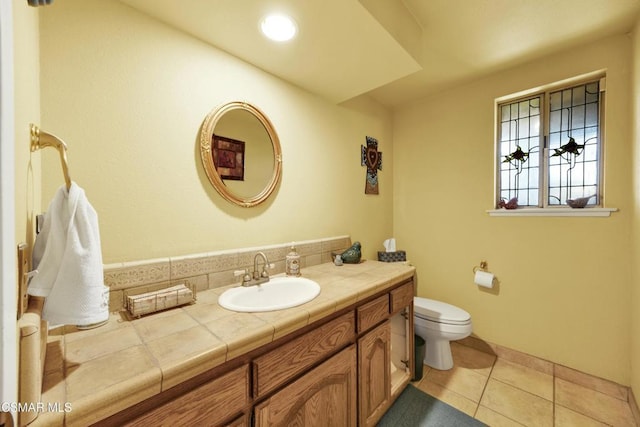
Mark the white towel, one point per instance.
(68, 257)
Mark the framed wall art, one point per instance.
(228, 157)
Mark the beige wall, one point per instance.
(128, 95)
(635, 302)
(564, 282)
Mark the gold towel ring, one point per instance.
(41, 139)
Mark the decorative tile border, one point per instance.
(213, 269)
(132, 274)
(191, 265)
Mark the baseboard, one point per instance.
(589, 381)
(633, 403)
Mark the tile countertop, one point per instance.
(90, 375)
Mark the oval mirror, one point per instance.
(241, 153)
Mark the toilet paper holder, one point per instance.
(481, 267)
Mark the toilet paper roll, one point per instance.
(483, 278)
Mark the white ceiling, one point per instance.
(394, 50)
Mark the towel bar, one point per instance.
(41, 139)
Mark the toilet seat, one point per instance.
(439, 323)
(440, 312)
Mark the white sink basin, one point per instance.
(276, 294)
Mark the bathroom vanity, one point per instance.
(341, 360)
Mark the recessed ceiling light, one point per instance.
(278, 27)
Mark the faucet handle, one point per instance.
(246, 277)
(264, 273)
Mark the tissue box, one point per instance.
(392, 256)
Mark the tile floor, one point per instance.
(517, 390)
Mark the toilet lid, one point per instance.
(439, 311)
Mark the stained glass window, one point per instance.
(549, 148)
(520, 137)
(574, 144)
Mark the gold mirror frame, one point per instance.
(206, 137)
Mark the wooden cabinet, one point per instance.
(402, 345)
(242, 421)
(374, 362)
(344, 370)
(325, 396)
(209, 404)
(385, 354)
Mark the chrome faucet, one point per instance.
(259, 276)
(265, 263)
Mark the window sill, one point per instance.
(603, 212)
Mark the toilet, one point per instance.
(439, 323)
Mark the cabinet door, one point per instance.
(402, 350)
(326, 396)
(374, 360)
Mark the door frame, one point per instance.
(8, 291)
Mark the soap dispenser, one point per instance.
(292, 267)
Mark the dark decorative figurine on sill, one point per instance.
(511, 204)
(351, 255)
(580, 202)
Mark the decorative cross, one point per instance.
(372, 158)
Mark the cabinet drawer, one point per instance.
(209, 404)
(297, 355)
(401, 297)
(373, 312)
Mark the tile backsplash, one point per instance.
(209, 270)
